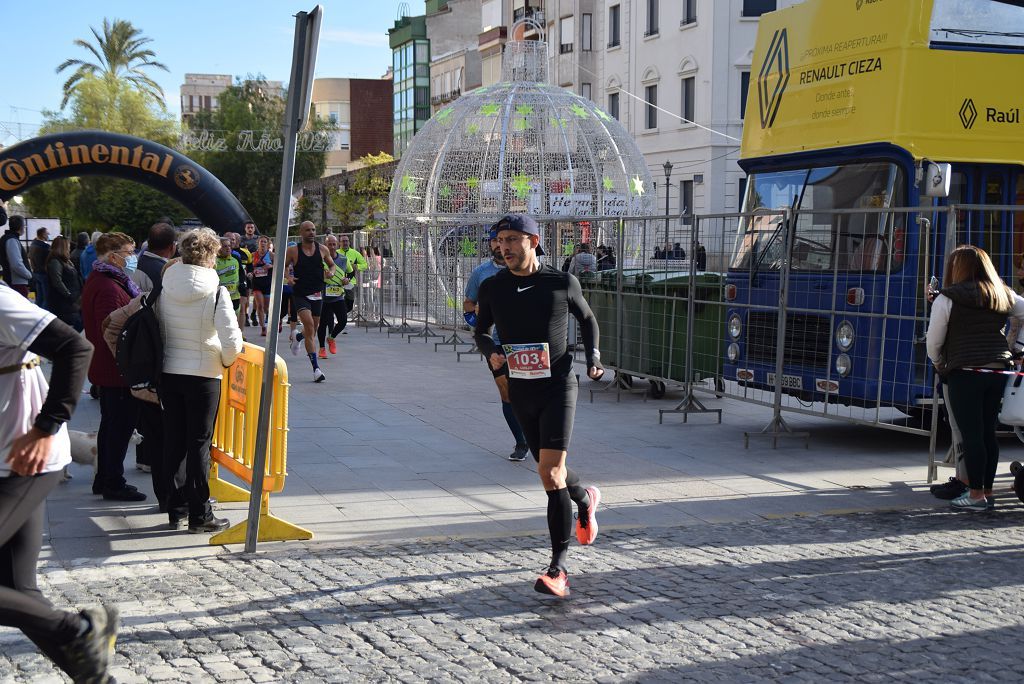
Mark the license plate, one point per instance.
(794, 382)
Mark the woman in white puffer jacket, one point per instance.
(201, 339)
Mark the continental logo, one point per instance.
(14, 173)
(773, 78)
(185, 177)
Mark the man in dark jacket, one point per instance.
(13, 257)
(37, 253)
(160, 246)
(82, 241)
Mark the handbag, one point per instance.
(1012, 411)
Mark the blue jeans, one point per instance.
(41, 284)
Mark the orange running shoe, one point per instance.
(323, 353)
(586, 528)
(554, 582)
(331, 345)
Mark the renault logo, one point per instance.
(773, 78)
(968, 113)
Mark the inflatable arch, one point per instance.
(99, 153)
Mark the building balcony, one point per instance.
(534, 13)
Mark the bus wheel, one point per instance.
(657, 390)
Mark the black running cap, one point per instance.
(521, 223)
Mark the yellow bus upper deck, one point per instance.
(941, 79)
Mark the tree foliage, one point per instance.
(99, 203)
(120, 54)
(366, 197)
(254, 176)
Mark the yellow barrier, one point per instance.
(234, 445)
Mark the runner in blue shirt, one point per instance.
(496, 264)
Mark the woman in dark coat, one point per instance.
(65, 284)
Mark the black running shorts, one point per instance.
(261, 285)
(545, 410)
(300, 302)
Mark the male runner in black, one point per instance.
(530, 305)
(311, 263)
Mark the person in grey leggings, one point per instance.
(35, 446)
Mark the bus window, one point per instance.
(823, 240)
(1018, 236)
(991, 229)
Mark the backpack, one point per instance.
(140, 348)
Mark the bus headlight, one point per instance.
(844, 336)
(843, 365)
(733, 351)
(735, 326)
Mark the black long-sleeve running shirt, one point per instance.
(535, 308)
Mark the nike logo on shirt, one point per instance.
(523, 289)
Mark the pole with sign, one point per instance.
(300, 89)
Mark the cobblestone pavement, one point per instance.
(865, 597)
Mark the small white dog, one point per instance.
(83, 447)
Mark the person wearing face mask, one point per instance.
(108, 288)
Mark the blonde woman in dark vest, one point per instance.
(967, 343)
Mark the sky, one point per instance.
(190, 36)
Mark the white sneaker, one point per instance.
(293, 344)
(318, 375)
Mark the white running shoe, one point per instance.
(318, 375)
(293, 344)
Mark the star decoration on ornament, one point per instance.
(608, 184)
(490, 109)
(557, 122)
(472, 182)
(601, 115)
(525, 110)
(445, 191)
(472, 129)
(579, 111)
(520, 123)
(408, 185)
(568, 249)
(443, 115)
(467, 247)
(636, 186)
(521, 184)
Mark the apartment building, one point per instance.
(360, 111)
(200, 92)
(452, 28)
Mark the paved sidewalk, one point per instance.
(404, 442)
(714, 563)
(922, 596)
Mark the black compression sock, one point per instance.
(559, 525)
(577, 493)
(313, 361)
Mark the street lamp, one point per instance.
(668, 174)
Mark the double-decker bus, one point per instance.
(866, 121)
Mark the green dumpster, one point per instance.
(668, 295)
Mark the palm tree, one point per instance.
(120, 54)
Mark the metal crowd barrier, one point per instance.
(664, 308)
(234, 445)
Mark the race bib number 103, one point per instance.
(528, 361)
